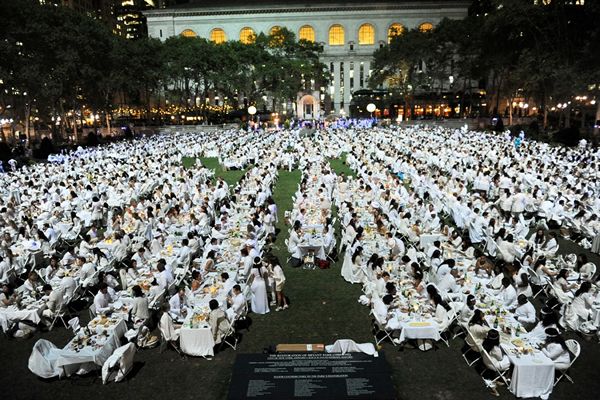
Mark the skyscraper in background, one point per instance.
(130, 22)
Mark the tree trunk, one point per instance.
(596, 123)
(108, 124)
(75, 136)
(568, 116)
(27, 116)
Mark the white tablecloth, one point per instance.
(13, 314)
(533, 374)
(197, 341)
(425, 240)
(88, 358)
(427, 329)
(315, 246)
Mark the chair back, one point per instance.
(574, 348)
(74, 324)
(487, 360)
(471, 342)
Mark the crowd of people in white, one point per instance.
(128, 231)
(449, 232)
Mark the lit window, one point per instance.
(247, 35)
(336, 35)
(366, 34)
(307, 33)
(218, 36)
(277, 36)
(395, 30)
(188, 33)
(426, 27)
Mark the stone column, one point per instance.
(337, 95)
(347, 88)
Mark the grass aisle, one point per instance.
(323, 307)
(232, 177)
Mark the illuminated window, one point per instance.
(307, 33)
(395, 30)
(366, 34)
(188, 33)
(426, 27)
(218, 36)
(247, 35)
(277, 36)
(336, 35)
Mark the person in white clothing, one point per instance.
(525, 312)
(279, 278)
(556, 349)
(497, 359)
(178, 304)
(102, 300)
(237, 302)
(169, 330)
(139, 311)
(508, 294)
(55, 302)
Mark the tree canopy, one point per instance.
(56, 62)
(547, 52)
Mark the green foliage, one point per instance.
(513, 46)
(55, 60)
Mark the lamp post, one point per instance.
(370, 108)
(252, 111)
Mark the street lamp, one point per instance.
(370, 108)
(252, 111)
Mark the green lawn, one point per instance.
(230, 176)
(339, 165)
(323, 308)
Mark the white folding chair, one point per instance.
(473, 348)
(230, 338)
(60, 314)
(73, 323)
(575, 350)
(487, 361)
(118, 365)
(537, 281)
(379, 329)
(445, 329)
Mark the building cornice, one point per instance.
(203, 12)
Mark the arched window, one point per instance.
(188, 33)
(218, 36)
(247, 35)
(426, 27)
(395, 30)
(307, 33)
(366, 34)
(336, 35)
(275, 30)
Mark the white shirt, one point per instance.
(508, 296)
(101, 302)
(525, 313)
(238, 304)
(164, 280)
(177, 304)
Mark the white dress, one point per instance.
(259, 301)
(579, 311)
